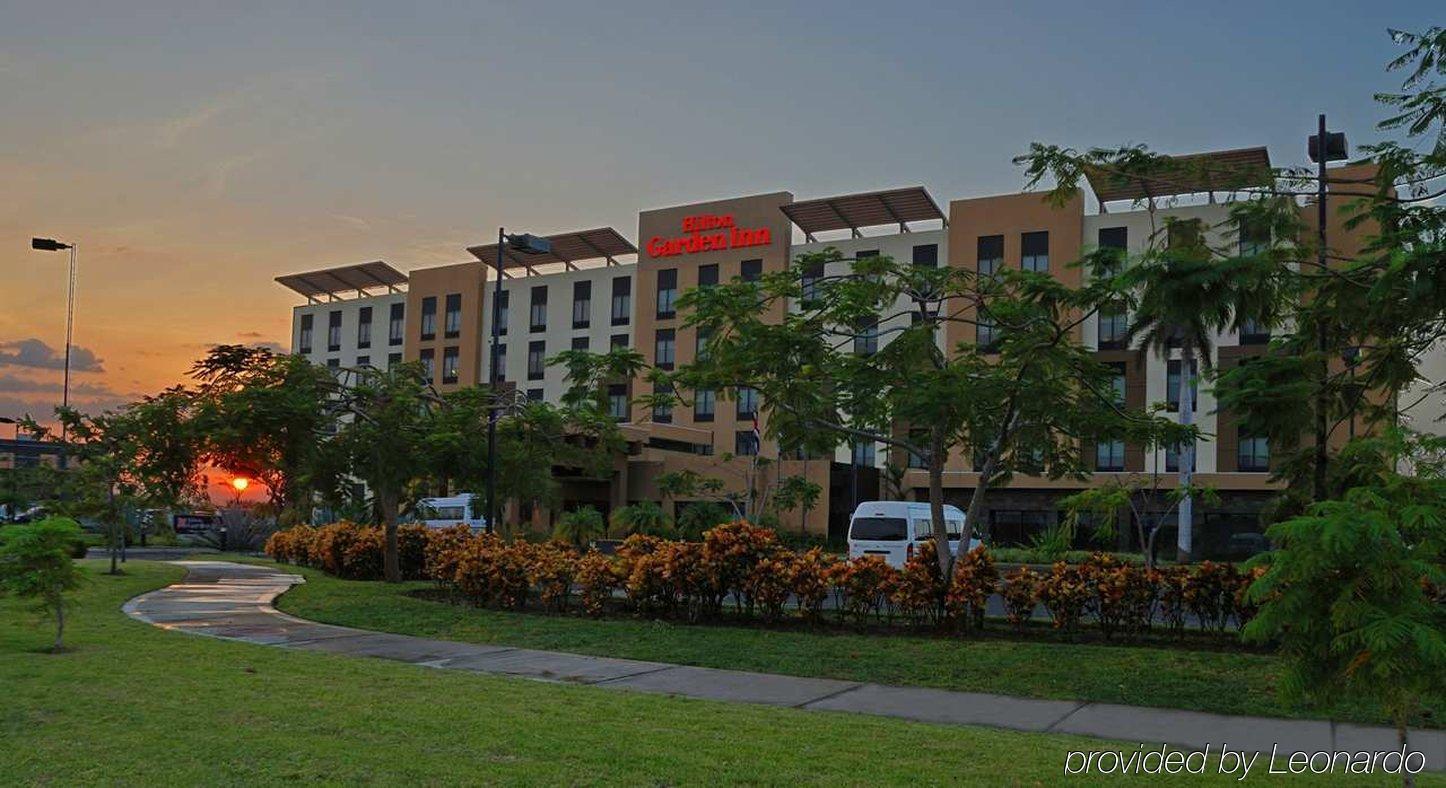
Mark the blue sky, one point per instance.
(198, 153)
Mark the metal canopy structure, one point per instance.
(333, 282)
(867, 209)
(1196, 173)
(603, 243)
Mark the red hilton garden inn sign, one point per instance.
(709, 233)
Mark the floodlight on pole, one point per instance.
(522, 243)
(52, 245)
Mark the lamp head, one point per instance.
(47, 245)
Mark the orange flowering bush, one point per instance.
(917, 592)
(862, 585)
(1172, 584)
(1124, 594)
(975, 579)
(730, 554)
(770, 584)
(809, 577)
(1020, 589)
(551, 569)
(328, 548)
(1210, 594)
(1065, 592)
(491, 572)
(363, 553)
(291, 546)
(1243, 608)
(442, 551)
(597, 577)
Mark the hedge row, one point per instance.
(747, 566)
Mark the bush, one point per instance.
(1020, 589)
(1064, 592)
(1210, 594)
(35, 564)
(1124, 595)
(551, 570)
(362, 555)
(443, 549)
(862, 585)
(809, 575)
(975, 578)
(917, 593)
(597, 577)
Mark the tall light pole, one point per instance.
(1323, 147)
(523, 243)
(52, 245)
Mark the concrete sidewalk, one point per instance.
(234, 601)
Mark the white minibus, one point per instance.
(890, 529)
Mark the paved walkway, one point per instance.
(233, 601)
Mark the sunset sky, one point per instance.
(195, 155)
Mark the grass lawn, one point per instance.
(133, 704)
(1216, 681)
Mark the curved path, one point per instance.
(234, 601)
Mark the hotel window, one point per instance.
(1117, 239)
(991, 254)
(704, 402)
(1172, 386)
(396, 324)
(700, 347)
(751, 270)
(747, 402)
(534, 395)
(303, 343)
(429, 317)
(333, 332)
(536, 360)
(363, 361)
(618, 401)
(1113, 327)
(581, 304)
(986, 333)
(927, 255)
(499, 372)
(812, 277)
(667, 292)
(580, 343)
(618, 341)
(452, 320)
(866, 338)
(663, 407)
(1183, 234)
(1254, 332)
(665, 349)
(450, 357)
(918, 438)
(1117, 383)
(333, 363)
(1034, 251)
(1172, 459)
(394, 359)
(428, 357)
(622, 304)
(1252, 453)
(537, 313)
(1254, 238)
(708, 275)
(1110, 456)
(863, 454)
(364, 328)
(504, 303)
(745, 443)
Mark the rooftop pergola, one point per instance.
(603, 243)
(1195, 173)
(866, 209)
(335, 283)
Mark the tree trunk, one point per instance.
(59, 626)
(391, 565)
(1185, 542)
(976, 501)
(1407, 778)
(936, 501)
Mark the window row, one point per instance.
(395, 329)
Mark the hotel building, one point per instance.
(597, 289)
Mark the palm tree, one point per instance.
(580, 526)
(1184, 298)
(644, 517)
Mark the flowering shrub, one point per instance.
(328, 548)
(491, 572)
(975, 578)
(597, 577)
(917, 592)
(1124, 594)
(862, 585)
(809, 575)
(1019, 590)
(1210, 594)
(1171, 585)
(443, 549)
(551, 569)
(730, 554)
(770, 585)
(1064, 592)
(363, 554)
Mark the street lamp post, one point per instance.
(52, 245)
(1323, 147)
(523, 243)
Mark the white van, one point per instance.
(451, 510)
(890, 529)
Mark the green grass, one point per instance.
(134, 704)
(1224, 682)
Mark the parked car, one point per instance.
(891, 529)
(451, 510)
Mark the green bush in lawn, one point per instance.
(35, 563)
